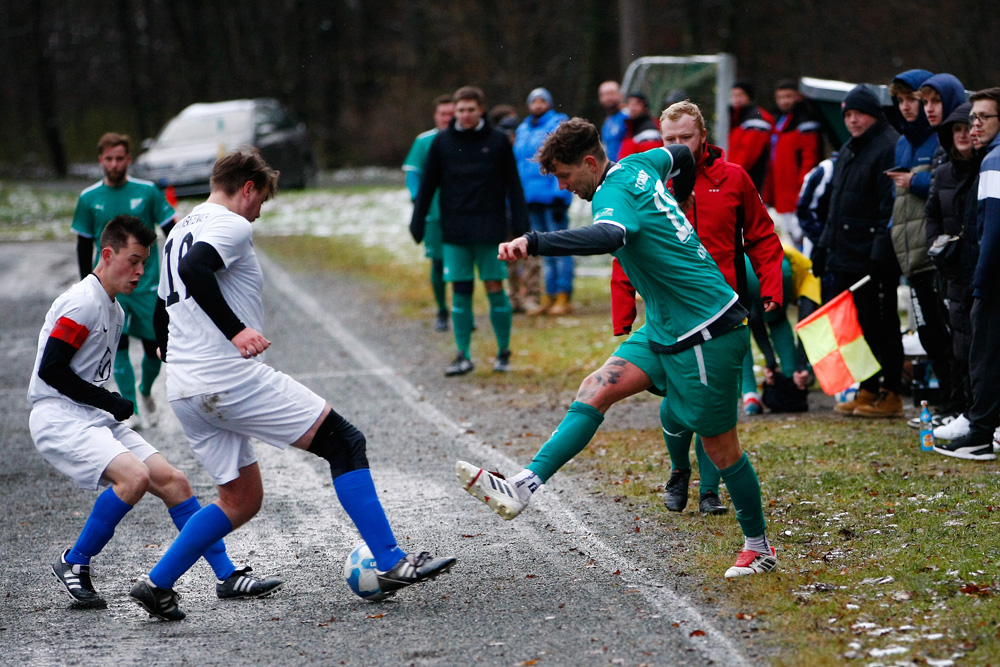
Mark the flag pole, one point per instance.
(860, 283)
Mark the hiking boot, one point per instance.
(956, 428)
(886, 404)
(492, 488)
(242, 584)
(863, 397)
(675, 495)
(973, 447)
(460, 366)
(441, 321)
(709, 503)
(561, 305)
(750, 562)
(412, 569)
(76, 580)
(502, 363)
(159, 602)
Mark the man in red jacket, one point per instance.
(642, 132)
(749, 132)
(727, 213)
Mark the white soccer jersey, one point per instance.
(200, 359)
(88, 319)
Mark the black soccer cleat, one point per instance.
(460, 366)
(412, 569)
(159, 602)
(242, 584)
(709, 503)
(76, 580)
(676, 492)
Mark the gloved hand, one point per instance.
(818, 262)
(121, 408)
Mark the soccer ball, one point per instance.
(359, 573)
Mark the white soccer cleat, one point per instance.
(491, 488)
(751, 562)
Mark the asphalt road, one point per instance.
(569, 582)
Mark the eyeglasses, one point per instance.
(981, 118)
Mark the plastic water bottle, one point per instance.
(926, 429)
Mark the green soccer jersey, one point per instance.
(682, 286)
(100, 203)
(413, 165)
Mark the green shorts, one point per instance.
(700, 385)
(460, 262)
(139, 310)
(432, 239)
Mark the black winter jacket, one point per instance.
(951, 209)
(477, 175)
(856, 230)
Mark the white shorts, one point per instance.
(271, 407)
(80, 441)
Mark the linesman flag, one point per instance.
(835, 344)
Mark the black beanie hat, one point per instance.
(860, 98)
(745, 86)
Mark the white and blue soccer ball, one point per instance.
(359, 573)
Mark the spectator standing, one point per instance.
(609, 94)
(750, 130)
(413, 165)
(642, 132)
(855, 243)
(473, 166)
(548, 206)
(984, 412)
(795, 150)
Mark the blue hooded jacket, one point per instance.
(987, 277)
(919, 141)
(950, 89)
(539, 188)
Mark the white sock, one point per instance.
(758, 544)
(525, 483)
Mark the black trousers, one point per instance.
(931, 319)
(984, 367)
(878, 315)
(960, 321)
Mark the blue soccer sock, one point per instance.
(203, 529)
(356, 492)
(108, 512)
(215, 554)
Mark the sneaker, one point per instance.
(752, 404)
(242, 584)
(750, 562)
(863, 397)
(460, 366)
(936, 420)
(441, 322)
(996, 440)
(709, 503)
(492, 488)
(159, 602)
(502, 363)
(971, 447)
(412, 569)
(76, 580)
(676, 491)
(886, 404)
(956, 428)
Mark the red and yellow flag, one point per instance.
(836, 346)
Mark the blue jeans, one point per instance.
(558, 270)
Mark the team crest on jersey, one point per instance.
(136, 203)
(641, 180)
(605, 213)
(103, 372)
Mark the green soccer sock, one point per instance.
(744, 490)
(150, 371)
(461, 320)
(576, 430)
(677, 439)
(500, 316)
(748, 381)
(708, 474)
(438, 285)
(125, 377)
(784, 345)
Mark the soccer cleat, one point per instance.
(460, 366)
(709, 503)
(971, 447)
(148, 408)
(76, 580)
(752, 404)
(441, 321)
(135, 423)
(242, 584)
(159, 602)
(956, 428)
(502, 362)
(491, 488)
(750, 562)
(412, 569)
(676, 491)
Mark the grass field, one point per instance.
(887, 555)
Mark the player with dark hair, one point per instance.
(120, 194)
(691, 346)
(75, 421)
(210, 324)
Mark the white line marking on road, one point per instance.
(714, 644)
